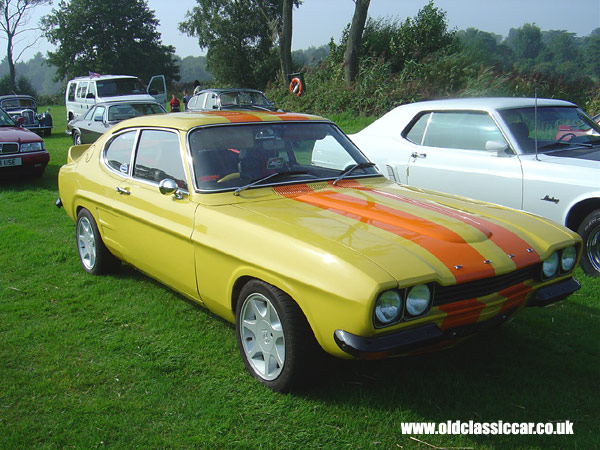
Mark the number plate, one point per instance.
(10, 162)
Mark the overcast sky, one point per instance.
(317, 21)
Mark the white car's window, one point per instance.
(416, 132)
(117, 154)
(462, 130)
(158, 157)
(211, 100)
(99, 113)
(232, 156)
(89, 114)
(559, 128)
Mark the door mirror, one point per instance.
(498, 147)
(167, 186)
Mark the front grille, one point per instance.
(487, 286)
(29, 117)
(9, 147)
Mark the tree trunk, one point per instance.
(11, 65)
(285, 40)
(354, 40)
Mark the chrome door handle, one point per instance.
(418, 155)
(122, 191)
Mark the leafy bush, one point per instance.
(23, 86)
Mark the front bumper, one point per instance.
(431, 336)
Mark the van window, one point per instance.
(71, 94)
(91, 89)
(119, 86)
(81, 89)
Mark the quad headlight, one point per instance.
(550, 265)
(568, 258)
(418, 300)
(388, 307)
(396, 305)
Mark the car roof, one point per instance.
(191, 119)
(221, 90)
(4, 97)
(101, 77)
(401, 115)
(126, 102)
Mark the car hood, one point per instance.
(410, 231)
(16, 134)
(580, 156)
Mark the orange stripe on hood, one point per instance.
(444, 244)
(511, 243)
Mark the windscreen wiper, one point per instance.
(268, 177)
(345, 173)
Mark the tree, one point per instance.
(119, 36)
(240, 36)
(352, 52)
(14, 22)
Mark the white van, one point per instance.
(84, 92)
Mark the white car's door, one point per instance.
(464, 153)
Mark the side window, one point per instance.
(99, 113)
(415, 134)
(71, 94)
(117, 154)
(462, 130)
(90, 112)
(81, 89)
(158, 157)
(211, 100)
(91, 89)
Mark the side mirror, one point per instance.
(169, 187)
(499, 147)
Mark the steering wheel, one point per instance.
(570, 135)
(228, 177)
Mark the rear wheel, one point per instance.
(589, 230)
(93, 254)
(274, 338)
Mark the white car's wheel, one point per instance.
(93, 254)
(589, 230)
(274, 338)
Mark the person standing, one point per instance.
(185, 99)
(174, 104)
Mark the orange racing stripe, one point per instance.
(508, 241)
(444, 244)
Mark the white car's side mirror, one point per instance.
(498, 147)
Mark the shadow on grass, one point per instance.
(536, 368)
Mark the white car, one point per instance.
(539, 156)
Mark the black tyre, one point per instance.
(589, 230)
(76, 138)
(274, 338)
(93, 254)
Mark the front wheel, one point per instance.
(76, 138)
(589, 230)
(274, 338)
(93, 254)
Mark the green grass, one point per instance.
(121, 362)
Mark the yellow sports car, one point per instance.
(278, 223)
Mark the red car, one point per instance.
(21, 150)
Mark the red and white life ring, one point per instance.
(296, 87)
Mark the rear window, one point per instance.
(119, 86)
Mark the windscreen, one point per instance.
(554, 128)
(232, 156)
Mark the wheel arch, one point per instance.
(579, 211)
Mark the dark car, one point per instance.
(218, 99)
(23, 110)
(20, 149)
(102, 116)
